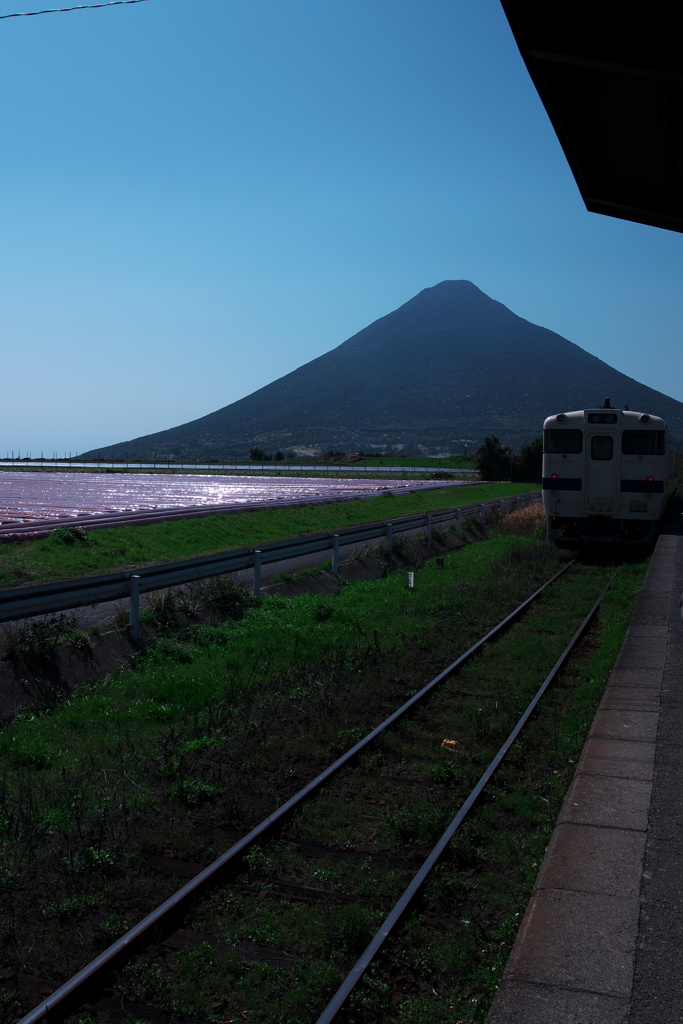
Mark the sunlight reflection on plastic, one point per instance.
(27, 497)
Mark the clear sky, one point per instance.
(198, 196)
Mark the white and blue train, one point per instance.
(607, 475)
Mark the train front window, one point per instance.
(562, 442)
(643, 442)
(601, 447)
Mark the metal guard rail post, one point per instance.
(48, 598)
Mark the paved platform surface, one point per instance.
(602, 938)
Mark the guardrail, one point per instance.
(48, 598)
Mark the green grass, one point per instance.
(449, 462)
(119, 743)
(220, 724)
(181, 675)
(56, 557)
(484, 881)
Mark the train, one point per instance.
(607, 475)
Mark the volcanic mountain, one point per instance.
(451, 362)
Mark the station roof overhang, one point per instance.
(610, 75)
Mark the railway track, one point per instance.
(305, 904)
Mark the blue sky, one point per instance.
(201, 195)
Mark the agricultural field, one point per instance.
(65, 555)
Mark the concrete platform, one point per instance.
(602, 938)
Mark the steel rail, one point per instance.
(48, 598)
(70, 994)
(372, 950)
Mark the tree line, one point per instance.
(495, 461)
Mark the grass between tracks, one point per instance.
(215, 727)
(64, 555)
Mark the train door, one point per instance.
(602, 464)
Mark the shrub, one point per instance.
(232, 600)
(69, 536)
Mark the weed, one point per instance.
(7, 877)
(162, 610)
(68, 537)
(194, 792)
(205, 636)
(313, 570)
(347, 738)
(399, 547)
(36, 641)
(323, 610)
(376, 762)
(283, 577)
(524, 806)
(260, 861)
(202, 743)
(144, 978)
(371, 999)
(507, 849)
(446, 771)
(71, 906)
(25, 752)
(77, 639)
(417, 823)
(329, 878)
(11, 1007)
(112, 928)
(193, 963)
(229, 901)
(231, 599)
(91, 860)
(165, 650)
(353, 928)
(529, 520)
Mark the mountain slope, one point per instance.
(449, 363)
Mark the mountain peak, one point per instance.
(451, 362)
(453, 303)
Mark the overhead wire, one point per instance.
(64, 10)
